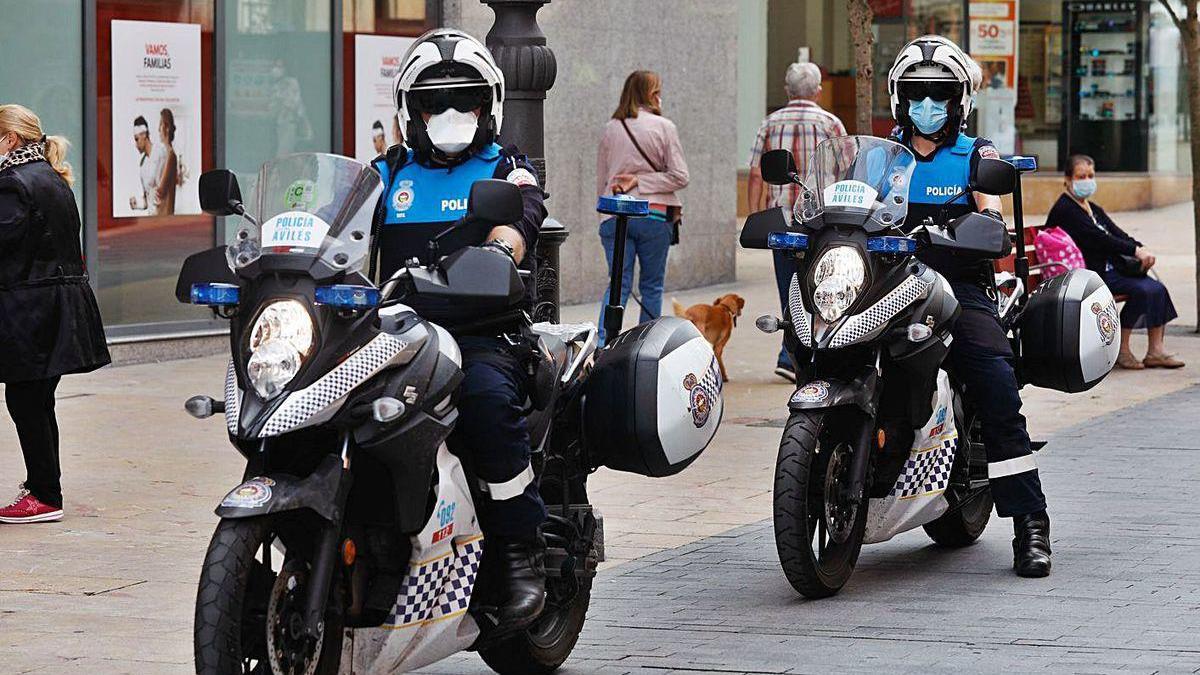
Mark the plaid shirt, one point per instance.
(798, 126)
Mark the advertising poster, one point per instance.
(993, 35)
(376, 61)
(156, 115)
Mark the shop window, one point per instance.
(154, 75)
(376, 33)
(279, 83)
(42, 76)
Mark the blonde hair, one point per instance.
(28, 127)
(638, 91)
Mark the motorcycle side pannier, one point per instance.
(653, 401)
(1069, 333)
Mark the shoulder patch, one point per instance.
(989, 152)
(521, 177)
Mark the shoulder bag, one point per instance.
(674, 213)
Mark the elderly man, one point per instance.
(798, 126)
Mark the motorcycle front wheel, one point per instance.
(818, 526)
(249, 609)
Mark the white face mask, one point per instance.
(452, 131)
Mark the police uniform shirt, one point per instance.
(419, 202)
(938, 190)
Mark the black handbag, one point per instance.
(674, 213)
(1128, 266)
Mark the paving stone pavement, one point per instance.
(1124, 595)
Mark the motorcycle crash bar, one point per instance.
(215, 295)
(347, 296)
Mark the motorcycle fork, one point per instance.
(860, 461)
(326, 552)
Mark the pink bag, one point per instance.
(1054, 245)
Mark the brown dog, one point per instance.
(715, 321)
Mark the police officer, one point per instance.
(932, 88)
(450, 97)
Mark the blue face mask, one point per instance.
(1084, 188)
(929, 115)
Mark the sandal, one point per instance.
(1128, 361)
(1162, 361)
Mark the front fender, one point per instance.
(278, 493)
(820, 394)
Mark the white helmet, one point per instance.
(928, 61)
(447, 68)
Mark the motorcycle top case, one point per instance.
(653, 401)
(1069, 332)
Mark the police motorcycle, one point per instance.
(880, 439)
(353, 540)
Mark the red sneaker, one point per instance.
(29, 509)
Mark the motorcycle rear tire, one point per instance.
(799, 480)
(545, 646)
(220, 601)
(963, 525)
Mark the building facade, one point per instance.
(1100, 77)
(154, 92)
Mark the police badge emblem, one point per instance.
(1106, 321)
(402, 199)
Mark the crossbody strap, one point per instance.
(639, 148)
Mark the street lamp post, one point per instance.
(519, 47)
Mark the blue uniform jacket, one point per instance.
(420, 201)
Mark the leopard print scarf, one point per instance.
(30, 152)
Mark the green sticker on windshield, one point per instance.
(300, 196)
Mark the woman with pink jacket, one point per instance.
(640, 154)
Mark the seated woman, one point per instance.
(1103, 245)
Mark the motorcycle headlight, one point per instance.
(838, 276)
(280, 340)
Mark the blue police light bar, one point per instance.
(346, 296)
(891, 245)
(1023, 162)
(623, 205)
(215, 294)
(787, 241)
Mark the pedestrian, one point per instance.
(1121, 260)
(49, 322)
(797, 127)
(640, 154)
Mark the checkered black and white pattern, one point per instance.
(439, 588)
(233, 400)
(300, 406)
(926, 472)
(712, 378)
(799, 313)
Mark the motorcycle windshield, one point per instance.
(311, 206)
(857, 180)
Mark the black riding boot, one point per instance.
(1031, 544)
(522, 580)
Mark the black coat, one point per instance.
(49, 321)
(1097, 245)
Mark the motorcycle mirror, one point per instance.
(219, 193)
(778, 167)
(759, 225)
(496, 202)
(994, 177)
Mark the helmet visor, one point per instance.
(438, 101)
(938, 91)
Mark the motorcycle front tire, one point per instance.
(545, 646)
(221, 609)
(799, 508)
